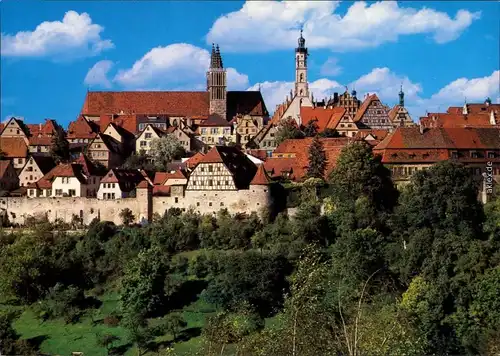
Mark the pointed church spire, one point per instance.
(401, 96)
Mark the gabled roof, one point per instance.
(393, 112)
(70, 170)
(245, 102)
(40, 141)
(13, 147)
(19, 122)
(452, 120)
(162, 177)
(362, 109)
(123, 176)
(215, 120)
(44, 162)
(126, 123)
(124, 133)
(48, 128)
(194, 160)
(474, 108)
(236, 162)
(82, 128)
(324, 117)
(88, 167)
(174, 103)
(261, 177)
(111, 144)
(442, 138)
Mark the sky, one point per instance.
(442, 52)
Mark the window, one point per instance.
(147, 135)
(20, 160)
(491, 154)
(71, 192)
(202, 169)
(58, 192)
(210, 182)
(32, 191)
(31, 177)
(474, 154)
(454, 154)
(143, 143)
(112, 185)
(221, 204)
(210, 168)
(176, 199)
(210, 204)
(227, 182)
(197, 203)
(203, 131)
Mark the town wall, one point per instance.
(18, 209)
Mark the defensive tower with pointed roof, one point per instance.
(217, 83)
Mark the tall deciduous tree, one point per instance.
(317, 159)
(358, 173)
(60, 147)
(164, 150)
(287, 129)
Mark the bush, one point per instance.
(62, 301)
(111, 320)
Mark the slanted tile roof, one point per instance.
(194, 160)
(298, 149)
(433, 120)
(124, 124)
(44, 162)
(215, 120)
(474, 108)
(88, 167)
(261, 177)
(82, 128)
(324, 117)
(174, 103)
(40, 141)
(127, 179)
(245, 102)
(13, 147)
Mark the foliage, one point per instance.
(127, 216)
(164, 150)
(174, 323)
(107, 340)
(62, 301)
(59, 148)
(311, 129)
(10, 343)
(317, 159)
(328, 132)
(287, 129)
(139, 161)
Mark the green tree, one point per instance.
(311, 129)
(143, 283)
(59, 149)
(139, 161)
(358, 173)
(127, 216)
(164, 150)
(107, 340)
(174, 323)
(287, 129)
(317, 159)
(10, 343)
(329, 133)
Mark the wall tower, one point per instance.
(216, 84)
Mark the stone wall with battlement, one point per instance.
(143, 206)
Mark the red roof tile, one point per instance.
(361, 111)
(4, 165)
(261, 177)
(127, 122)
(215, 120)
(174, 103)
(40, 141)
(324, 117)
(194, 160)
(81, 128)
(13, 147)
(260, 154)
(474, 108)
(433, 120)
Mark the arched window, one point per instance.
(301, 91)
(301, 77)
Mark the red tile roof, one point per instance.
(127, 122)
(433, 120)
(299, 149)
(175, 103)
(409, 144)
(215, 120)
(162, 177)
(260, 154)
(474, 108)
(261, 177)
(324, 117)
(82, 128)
(48, 128)
(13, 147)
(40, 141)
(245, 102)
(194, 160)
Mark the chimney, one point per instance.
(335, 97)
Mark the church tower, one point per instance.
(301, 86)
(401, 96)
(216, 84)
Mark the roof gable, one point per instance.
(245, 103)
(261, 177)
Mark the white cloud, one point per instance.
(274, 93)
(331, 67)
(74, 36)
(273, 25)
(178, 65)
(98, 74)
(386, 84)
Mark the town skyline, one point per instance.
(174, 60)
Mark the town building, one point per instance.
(8, 177)
(408, 150)
(349, 102)
(35, 168)
(246, 128)
(216, 131)
(106, 150)
(120, 183)
(399, 115)
(15, 149)
(373, 114)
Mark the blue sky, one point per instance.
(442, 52)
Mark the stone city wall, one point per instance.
(143, 206)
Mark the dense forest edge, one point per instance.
(361, 268)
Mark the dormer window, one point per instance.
(474, 154)
(491, 154)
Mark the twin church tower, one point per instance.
(217, 78)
